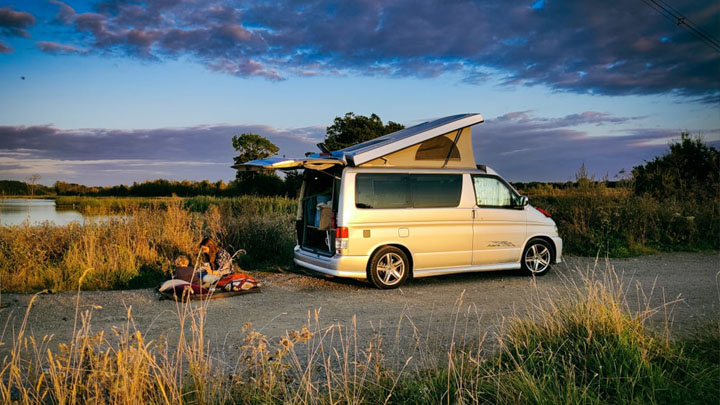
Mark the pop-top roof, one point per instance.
(375, 148)
(372, 149)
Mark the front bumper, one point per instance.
(558, 249)
(339, 266)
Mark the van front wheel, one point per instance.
(537, 258)
(388, 268)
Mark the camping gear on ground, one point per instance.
(236, 282)
(186, 273)
(208, 279)
(202, 282)
(227, 286)
(179, 288)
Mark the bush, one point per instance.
(690, 171)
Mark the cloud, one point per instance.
(199, 143)
(520, 145)
(15, 23)
(105, 156)
(55, 47)
(523, 147)
(582, 47)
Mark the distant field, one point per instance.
(615, 222)
(244, 205)
(138, 250)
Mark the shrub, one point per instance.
(690, 171)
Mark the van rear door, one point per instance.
(281, 163)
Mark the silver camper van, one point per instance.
(414, 204)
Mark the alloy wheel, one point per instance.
(537, 258)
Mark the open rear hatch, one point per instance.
(281, 163)
(317, 210)
(319, 197)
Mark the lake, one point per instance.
(15, 211)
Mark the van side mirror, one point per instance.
(523, 201)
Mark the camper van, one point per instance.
(413, 203)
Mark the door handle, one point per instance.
(473, 211)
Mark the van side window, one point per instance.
(439, 148)
(390, 190)
(435, 190)
(382, 190)
(491, 192)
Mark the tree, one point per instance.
(353, 129)
(31, 181)
(690, 170)
(293, 182)
(252, 147)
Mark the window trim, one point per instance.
(514, 195)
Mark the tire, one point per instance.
(536, 258)
(385, 277)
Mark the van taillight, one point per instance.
(341, 239)
(542, 211)
(341, 232)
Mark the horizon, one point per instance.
(115, 92)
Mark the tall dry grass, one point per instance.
(120, 251)
(242, 205)
(581, 344)
(135, 247)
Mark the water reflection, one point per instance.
(15, 211)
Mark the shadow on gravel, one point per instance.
(444, 280)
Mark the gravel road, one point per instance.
(432, 304)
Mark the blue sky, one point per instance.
(120, 91)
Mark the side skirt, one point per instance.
(466, 269)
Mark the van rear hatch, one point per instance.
(281, 163)
(317, 210)
(319, 195)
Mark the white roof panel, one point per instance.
(375, 148)
(364, 152)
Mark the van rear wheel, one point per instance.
(537, 258)
(389, 268)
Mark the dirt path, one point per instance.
(431, 303)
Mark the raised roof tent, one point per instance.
(444, 142)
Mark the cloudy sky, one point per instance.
(119, 91)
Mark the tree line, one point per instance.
(690, 170)
(345, 131)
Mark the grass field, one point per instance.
(137, 246)
(588, 347)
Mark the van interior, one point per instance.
(319, 205)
